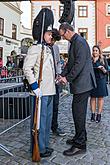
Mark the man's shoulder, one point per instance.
(77, 39)
(81, 41)
(35, 46)
(55, 46)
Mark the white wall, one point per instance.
(25, 33)
(26, 15)
(88, 22)
(54, 7)
(11, 15)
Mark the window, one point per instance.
(108, 31)
(1, 26)
(61, 8)
(1, 52)
(14, 30)
(49, 7)
(83, 32)
(108, 9)
(82, 11)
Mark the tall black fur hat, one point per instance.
(37, 24)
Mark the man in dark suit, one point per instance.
(79, 73)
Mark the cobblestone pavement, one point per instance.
(17, 140)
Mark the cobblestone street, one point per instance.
(17, 140)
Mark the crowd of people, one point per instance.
(10, 69)
(85, 73)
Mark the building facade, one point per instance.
(57, 9)
(103, 24)
(100, 21)
(84, 24)
(92, 20)
(85, 20)
(9, 29)
(12, 33)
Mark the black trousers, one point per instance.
(55, 109)
(79, 110)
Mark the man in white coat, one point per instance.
(47, 88)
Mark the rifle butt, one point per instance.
(36, 154)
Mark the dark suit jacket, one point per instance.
(79, 70)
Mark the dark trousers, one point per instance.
(55, 110)
(79, 110)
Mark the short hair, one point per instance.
(65, 25)
(55, 35)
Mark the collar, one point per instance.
(38, 42)
(74, 37)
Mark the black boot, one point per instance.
(75, 150)
(93, 117)
(98, 118)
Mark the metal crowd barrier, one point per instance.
(14, 107)
(16, 79)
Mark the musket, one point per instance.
(35, 153)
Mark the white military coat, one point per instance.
(31, 68)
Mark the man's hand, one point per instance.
(37, 92)
(61, 80)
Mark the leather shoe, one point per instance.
(49, 149)
(45, 154)
(74, 151)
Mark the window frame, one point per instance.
(49, 7)
(1, 26)
(108, 25)
(61, 10)
(82, 30)
(107, 13)
(14, 34)
(82, 16)
(1, 52)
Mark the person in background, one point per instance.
(62, 62)
(8, 64)
(47, 88)
(65, 61)
(4, 72)
(1, 65)
(80, 75)
(56, 56)
(20, 63)
(97, 94)
(12, 63)
(108, 61)
(1, 62)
